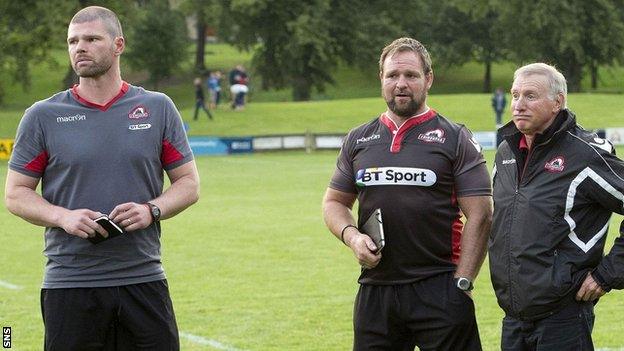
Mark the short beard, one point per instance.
(96, 70)
(406, 111)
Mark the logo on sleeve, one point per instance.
(433, 136)
(557, 164)
(395, 176)
(139, 112)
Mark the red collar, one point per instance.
(398, 133)
(124, 89)
(523, 143)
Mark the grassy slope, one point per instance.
(594, 111)
(253, 267)
(329, 112)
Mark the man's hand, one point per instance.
(81, 223)
(363, 248)
(589, 290)
(131, 216)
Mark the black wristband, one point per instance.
(343, 230)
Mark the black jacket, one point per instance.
(551, 217)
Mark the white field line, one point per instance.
(209, 342)
(9, 285)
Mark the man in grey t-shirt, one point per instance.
(101, 148)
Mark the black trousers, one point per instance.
(129, 317)
(432, 314)
(567, 330)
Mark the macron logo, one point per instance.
(74, 118)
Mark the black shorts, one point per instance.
(129, 317)
(432, 314)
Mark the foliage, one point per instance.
(29, 29)
(205, 13)
(291, 40)
(463, 31)
(572, 35)
(158, 41)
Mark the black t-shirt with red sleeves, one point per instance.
(414, 173)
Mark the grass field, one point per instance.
(251, 266)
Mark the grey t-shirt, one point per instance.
(97, 157)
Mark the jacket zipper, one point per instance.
(515, 198)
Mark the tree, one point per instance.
(464, 31)
(572, 35)
(158, 41)
(205, 12)
(290, 40)
(299, 44)
(29, 29)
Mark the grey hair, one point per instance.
(556, 81)
(98, 13)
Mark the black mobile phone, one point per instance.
(111, 227)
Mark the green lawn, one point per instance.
(252, 265)
(594, 111)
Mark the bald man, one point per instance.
(100, 149)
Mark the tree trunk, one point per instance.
(573, 76)
(301, 89)
(200, 66)
(487, 79)
(594, 75)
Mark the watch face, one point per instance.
(464, 284)
(155, 211)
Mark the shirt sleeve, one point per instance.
(471, 175)
(343, 178)
(29, 155)
(175, 147)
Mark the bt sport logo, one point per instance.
(395, 176)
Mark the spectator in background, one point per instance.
(199, 99)
(239, 81)
(214, 89)
(498, 104)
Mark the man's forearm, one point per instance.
(337, 216)
(181, 194)
(29, 205)
(473, 246)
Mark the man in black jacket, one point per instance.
(555, 188)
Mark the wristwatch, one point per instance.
(154, 211)
(463, 283)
